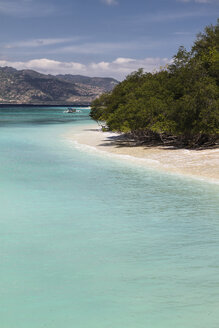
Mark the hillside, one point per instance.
(105, 83)
(30, 87)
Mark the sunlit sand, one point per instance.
(202, 164)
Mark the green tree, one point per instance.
(181, 100)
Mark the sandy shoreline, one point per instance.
(201, 164)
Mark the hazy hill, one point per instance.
(106, 83)
(30, 87)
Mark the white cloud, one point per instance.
(44, 65)
(38, 42)
(118, 68)
(110, 2)
(122, 60)
(97, 47)
(75, 45)
(113, 48)
(25, 8)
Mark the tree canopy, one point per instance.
(181, 100)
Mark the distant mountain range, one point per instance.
(31, 87)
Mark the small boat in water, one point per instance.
(71, 110)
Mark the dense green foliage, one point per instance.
(181, 100)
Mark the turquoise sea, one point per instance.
(92, 242)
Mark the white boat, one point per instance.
(71, 110)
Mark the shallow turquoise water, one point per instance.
(91, 242)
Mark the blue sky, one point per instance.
(99, 37)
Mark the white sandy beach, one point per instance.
(201, 164)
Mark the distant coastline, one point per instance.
(45, 105)
(32, 88)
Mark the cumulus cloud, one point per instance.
(118, 68)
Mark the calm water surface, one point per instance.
(90, 242)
